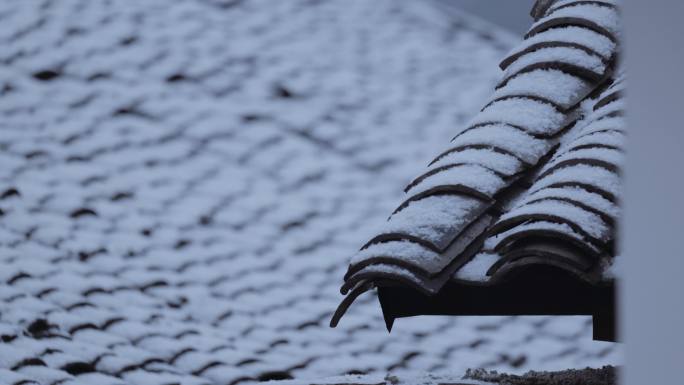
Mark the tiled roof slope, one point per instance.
(181, 180)
(532, 179)
(573, 202)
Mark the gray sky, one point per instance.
(511, 14)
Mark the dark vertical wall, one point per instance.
(513, 15)
(653, 230)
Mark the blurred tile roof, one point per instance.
(181, 182)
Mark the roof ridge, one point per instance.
(529, 115)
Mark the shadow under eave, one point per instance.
(538, 290)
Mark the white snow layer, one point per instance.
(567, 55)
(594, 176)
(502, 163)
(554, 85)
(577, 194)
(589, 222)
(473, 176)
(433, 217)
(508, 138)
(603, 16)
(476, 269)
(588, 38)
(609, 155)
(402, 250)
(537, 117)
(561, 228)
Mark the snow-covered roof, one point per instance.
(532, 179)
(181, 182)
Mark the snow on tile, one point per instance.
(537, 117)
(590, 39)
(473, 176)
(401, 250)
(433, 217)
(577, 194)
(612, 138)
(593, 176)
(598, 122)
(560, 228)
(554, 85)
(566, 55)
(392, 270)
(588, 221)
(502, 163)
(516, 142)
(603, 16)
(608, 155)
(476, 269)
